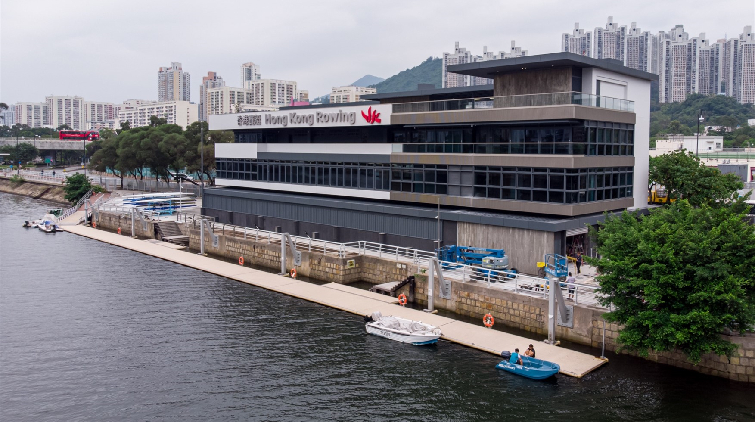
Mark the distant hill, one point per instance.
(367, 80)
(427, 72)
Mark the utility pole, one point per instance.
(18, 169)
(201, 159)
(697, 143)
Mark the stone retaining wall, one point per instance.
(111, 221)
(530, 314)
(36, 190)
(327, 267)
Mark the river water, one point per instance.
(90, 331)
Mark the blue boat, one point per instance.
(536, 369)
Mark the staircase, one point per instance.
(168, 231)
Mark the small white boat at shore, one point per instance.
(402, 330)
(48, 224)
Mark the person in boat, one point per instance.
(530, 352)
(515, 358)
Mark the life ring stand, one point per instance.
(241, 260)
(402, 299)
(488, 320)
(292, 273)
(119, 230)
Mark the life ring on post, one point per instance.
(488, 320)
(119, 230)
(402, 299)
(241, 260)
(94, 224)
(292, 273)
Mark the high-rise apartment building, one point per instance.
(173, 84)
(66, 110)
(100, 114)
(578, 42)
(249, 72)
(212, 80)
(137, 113)
(272, 92)
(610, 41)
(8, 117)
(462, 56)
(32, 114)
(638, 49)
(303, 96)
(746, 80)
(349, 94)
(227, 99)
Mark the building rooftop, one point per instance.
(356, 103)
(489, 68)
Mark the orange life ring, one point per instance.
(402, 299)
(119, 230)
(94, 224)
(241, 260)
(488, 320)
(293, 273)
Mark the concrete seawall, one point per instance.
(36, 190)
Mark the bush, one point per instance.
(16, 180)
(76, 187)
(98, 189)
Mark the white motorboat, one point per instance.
(402, 330)
(48, 224)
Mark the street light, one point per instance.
(18, 169)
(697, 143)
(201, 159)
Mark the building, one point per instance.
(578, 42)
(349, 94)
(100, 115)
(137, 113)
(173, 84)
(8, 117)
(250, 72)
(525, 172)
(227, 99)
(680, 66)
(303, 96)
(638, 49)
(462, 56)
(610, 41)
(272, 92)
(703, 144)
(64, 110)
(212, 80)
(746, 79)
(32, 114)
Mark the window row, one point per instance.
(555, 185)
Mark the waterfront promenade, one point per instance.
(349, 299)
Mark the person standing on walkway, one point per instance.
(570, 285)
(579, 262)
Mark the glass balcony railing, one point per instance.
(531, 100)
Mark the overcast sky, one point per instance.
(111, 50)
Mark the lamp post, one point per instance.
(201, 159)
(18, 169)
(697, 143)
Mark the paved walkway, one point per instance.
(350, 299)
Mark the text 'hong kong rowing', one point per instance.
(299, 119)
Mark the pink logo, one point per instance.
(372, 116)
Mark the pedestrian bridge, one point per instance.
(45, 144)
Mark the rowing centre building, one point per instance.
(526, 164)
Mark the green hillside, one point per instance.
(427, 72)
(717, 110)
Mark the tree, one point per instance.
(106, 158)
(76, 187)
(24, 152)
(124, 127)
(64, 126)
(678, 277)
(155, 121)
(684, 176)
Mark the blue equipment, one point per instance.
(467, 254)
(556, 265)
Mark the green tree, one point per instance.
(106, 158)
(64, 126)
(678, 278)
(76, 187)
(124, 127)
(24, 152)
(155, 121)
(684, 176)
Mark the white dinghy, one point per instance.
(403, 330)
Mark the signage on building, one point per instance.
(304, 118)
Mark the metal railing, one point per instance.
(69, 211)
(512, 101)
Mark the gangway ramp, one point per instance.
(356, 301)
